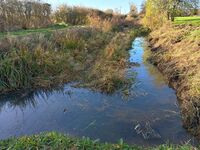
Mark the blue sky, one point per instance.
(100, 4)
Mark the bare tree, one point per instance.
(133, 10)
(18, 14)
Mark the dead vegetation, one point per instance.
(176, 53)
(40, 60)
(88, 55)
(106, 21)
(108, 72)
(92, 50)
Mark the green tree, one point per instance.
(158, 12)
(180, 8)
(155, 14)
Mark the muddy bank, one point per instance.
(176, 54)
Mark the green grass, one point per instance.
(31, 31)
(195, 35)
(57, 141)
(193, 20)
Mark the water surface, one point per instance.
(148, 116)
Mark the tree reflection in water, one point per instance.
(27, 97)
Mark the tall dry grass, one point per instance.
(47, 60)
(92, 17)
(99, 23)
(109, 70)
(176, 53)
(95, 58)
(94, 53)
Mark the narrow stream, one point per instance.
(149, 116)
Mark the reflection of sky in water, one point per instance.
(81, 112)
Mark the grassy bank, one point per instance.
(176, 53)
(94, 58)
(55, 141)
(40, 59)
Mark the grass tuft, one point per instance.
(54, 141)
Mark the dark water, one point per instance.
(149, 116)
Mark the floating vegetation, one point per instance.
(146, 131)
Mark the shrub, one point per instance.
(71, 15)
(87, 16)
(98, 22)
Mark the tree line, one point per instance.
(158, 11)
(24, 14)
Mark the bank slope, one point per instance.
(176, 52)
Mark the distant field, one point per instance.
(30, 31)
(195, 20)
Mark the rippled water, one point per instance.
(149, 116)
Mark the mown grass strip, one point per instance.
(31, 31)
(193, 20)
